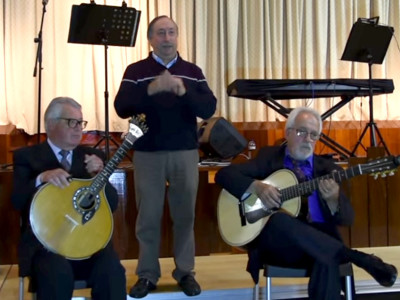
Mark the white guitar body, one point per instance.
(239, 227)
(229, 221)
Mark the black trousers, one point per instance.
(54, 275)
(289, 242)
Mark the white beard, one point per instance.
(303, 151)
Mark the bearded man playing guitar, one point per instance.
(309, 240)
(53, 274)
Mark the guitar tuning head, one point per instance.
(142, 117)
(139, 120)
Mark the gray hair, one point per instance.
(151, 25)
(298, 110)
(55, 108)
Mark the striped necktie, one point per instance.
(64, 161)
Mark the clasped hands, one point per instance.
(60, 177)
(166, 82)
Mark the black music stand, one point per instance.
(368, 42)
(107, 26)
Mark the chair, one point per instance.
(78, 285)
(346, 270)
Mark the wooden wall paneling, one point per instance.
(347, 135)
(378, 208)
(365, 141)
(350, 138)
(124, 238)
(208, 239)
(5, 143)
(9, 221)
(386, 134)
(322, 148)
(393, 192)
(378, 203)
(392, 141)
(359, 232)
(345, 231)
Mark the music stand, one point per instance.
(368, 42)
(108, 26)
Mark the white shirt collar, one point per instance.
(57, 150)
(160, 61)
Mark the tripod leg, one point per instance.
(113, 140)
(107, 138)
(343, 152)
(381, 139)
(373, 134)
(116, 144)
(360, 140)
(99, 142)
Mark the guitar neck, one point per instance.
(308, 187)
(101, 179)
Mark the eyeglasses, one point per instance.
(73, 123)
(304, 133)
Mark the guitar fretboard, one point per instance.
(308, 187)
(101, 179)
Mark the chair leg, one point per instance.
(21, 288)
(268, 288)
(256, 291)
(349, 292)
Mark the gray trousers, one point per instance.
(153, 171)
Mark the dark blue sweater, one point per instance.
(171, 119)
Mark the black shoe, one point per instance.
(141, 288)
(385, 274)
(189, 285)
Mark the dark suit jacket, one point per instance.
(29, 162)
(237, 178)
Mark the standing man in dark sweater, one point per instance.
(172, 93)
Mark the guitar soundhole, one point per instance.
(85, 200)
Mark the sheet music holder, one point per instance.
(97, 24)
(108, 26)
(368, 42)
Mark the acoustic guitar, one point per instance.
(241, 222)
(77, 221)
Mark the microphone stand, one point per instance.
(38, 61)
